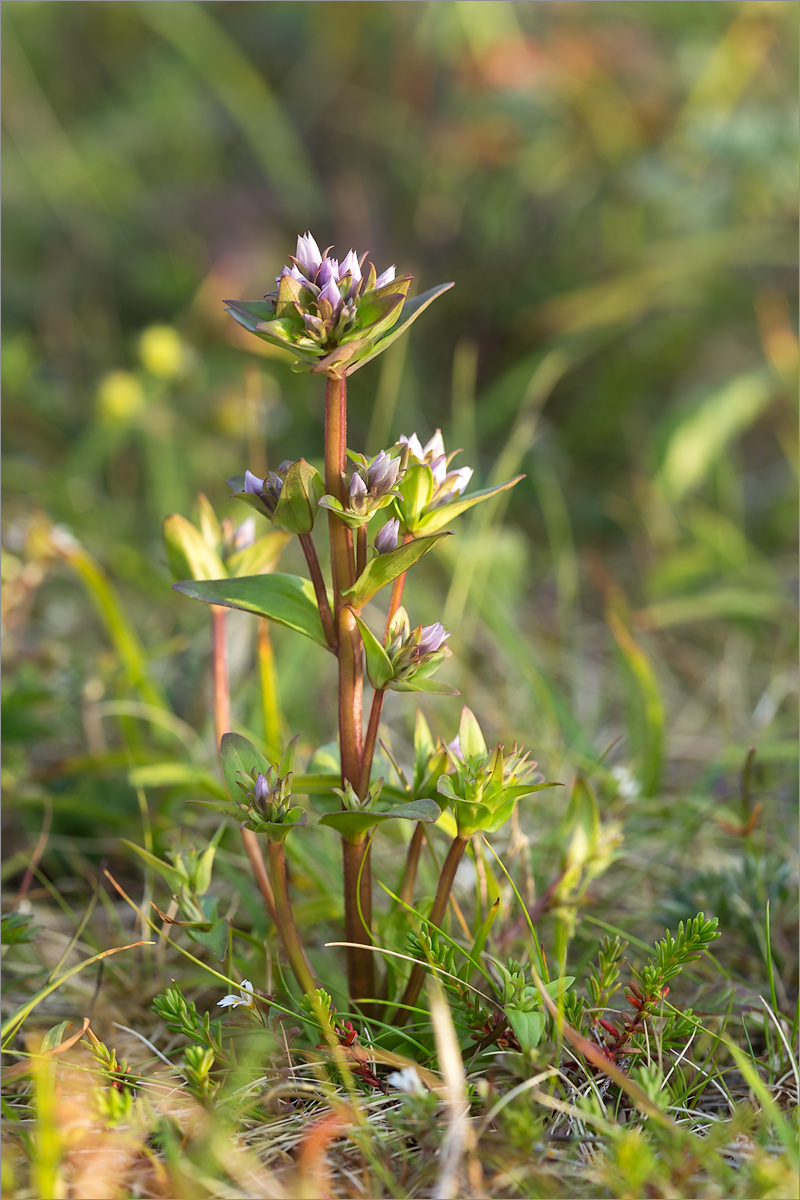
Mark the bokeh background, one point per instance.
(613, 189)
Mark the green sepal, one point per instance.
(386, 567)
(296, 510)
(188, 553)
(285, 599)
(416, 489)
(260, 557)
(470, 738)
(351, 520)
(278, 831)
(215, 939)
(396, 287)
(289, 293)
(443, 516)
(378, 313)
(353, 825)
(239, 758)
(379, 666)
(411, 310)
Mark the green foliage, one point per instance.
(285, 599)
(673, 953)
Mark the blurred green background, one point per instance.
(613, 189)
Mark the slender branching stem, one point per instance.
(370, 741)
(358, 894)
(222, 724)
(320, 591)
(412, 863)
(397, 592)
(414, 985)
(361, 549)
(286, 926)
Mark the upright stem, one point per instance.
(269, 690)
(222, 724)
(412, 862)
(360, 963)
(286, 926)
(320, 591)
(397, 592)
(361, 549)
(370, 742)
(454, 856)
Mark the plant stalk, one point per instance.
(360, 963)
(222, 724)
(269, 690)
(320, 591)
(370, 742)
(406, 892)
(286, 926)
(414, 985)
(397, 592)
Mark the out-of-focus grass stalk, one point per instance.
(269, 691)
(222, 724)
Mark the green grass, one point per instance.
(613, 189)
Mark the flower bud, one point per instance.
(386, 538)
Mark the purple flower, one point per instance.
(358, 489)
(328, 270)
(267, 490)
(430, 452)
(262, 792)
(331, 293)
(386, 276)
(382, 473)
(308, 255)
(386, 538)
(253, 484)
(432, 638)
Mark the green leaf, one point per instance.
(239, 759)
(386, 567)
(444, 515)
(379, 666)
(207, 521)
(378, 313)
(175, 879)
(188, 553)
(215, 939)
(286, 599)
(419, 684)
(470, 738)
(411, 310)
(353, 825)
(16, 927)
(351, 520)
(528, 1026)
(256, 316)
(336, 361)
(296, 510)
(260, 557)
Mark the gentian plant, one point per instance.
(335, 315)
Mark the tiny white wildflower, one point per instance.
(628, 785)
(407, 1081)
(247, 998)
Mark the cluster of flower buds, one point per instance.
(485, 785)
(372, 486)
(212, 549)
(415, 651)
(447, 484)
(333, 315)
(289, 497)
(267, 799)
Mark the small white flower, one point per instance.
(407, 1081)
(628, 785)
(247, 998)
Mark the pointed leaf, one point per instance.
(215, 939)
(378, 313)
(239, 759)
(411, 310)
(444, 515)
(379, 666)
(335, 362)
(260, 557)
(286, 599)
(188, 553)
(353, 825)
(351, 520)
(470, 738)
(416, 488)
(174, 878)
(386, 567)
(207, 521)
(296, 509)
(431, 686)
(528, 1026)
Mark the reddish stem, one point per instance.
(397, 592)
(320, 591)
(370, 741)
